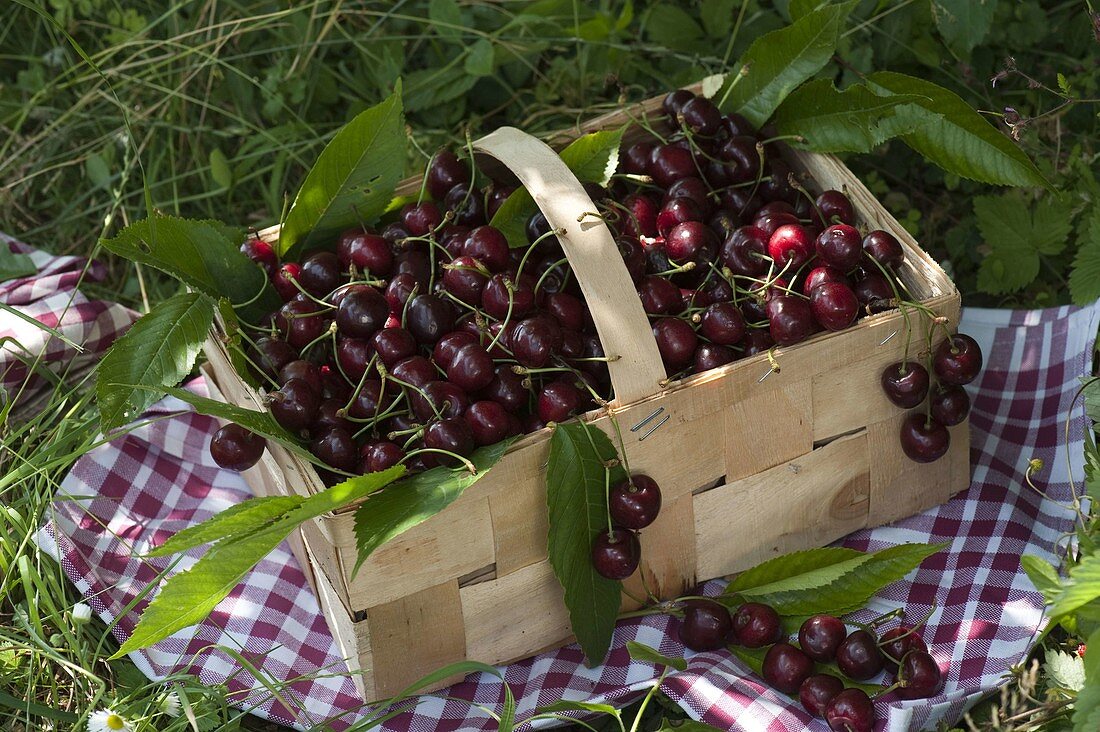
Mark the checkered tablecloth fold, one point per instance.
(129, 495)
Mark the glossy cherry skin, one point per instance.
(874, 293)
(415, 370)
(260, 252)
(420, 219)
(507, 389)
(379, 455)
(639, 217)
(294, 405)
(442, 397)
(362, 311)
(950, 404)
(615, 554)
(924, 440)
(677, 210)
(895, 643)
(859, 657)
(790, 247)
(272, 354)
(557, 401)
(471, 368)
(428, 317)
(635, 502)
(331, 414)
(489, 246)
(659, 296)
(835, 208)
(756, 625)
(704, 626)
(336, 448)
(723, 323)
(569, 311)
(820, 636)
(301, 369)
(235, 448)
(701, 116)
(674, 101)
(534, 341)
(741, 158)
(745, 252)
(822, 275)
(884, 248)
(502, 288)
(919, 675)
(393, 345)
(711, 356)
(834, 305)
(850, 711)
(304, 322)
(790, 319)
(400, 290)
(840, 245)
(445, 171)
(635, 159)
(488, 422)
(446, 347)
(670, 163)
(451, 434)
(676, 341)
(320, 274)
(817, 691)
(757, 341)
(697, 190)
(685, 241)
(467, 208)
(957, 360)
(353, 356)
(786, 667)
(465, 278)
(769, 223)
(905, 384)
(367, 252)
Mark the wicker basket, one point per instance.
(749, 466)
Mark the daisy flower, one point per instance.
(170, 704)
(106, 720)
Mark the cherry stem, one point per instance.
(418, 390)
(330, 332)
(507, 315)
(405, 306)
(254, 365)
(543, 276)
(469, 465)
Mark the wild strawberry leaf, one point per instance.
(577, 499)
(1018, 232)
(1084, 280)
(963, 23)
(838, 121)
(157, 351)
(14, 264)
(352, 181)
(1081, 588)
(414, 500)
(1086, 709)
(946, 131)
(189, 596)
(777, 62)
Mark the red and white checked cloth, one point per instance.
(135, 492)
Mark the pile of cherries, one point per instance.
(789, 667)
(431, 336)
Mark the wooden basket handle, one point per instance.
(620, 321)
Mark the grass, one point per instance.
(215, 108)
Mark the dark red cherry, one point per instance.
(420, 219)
(334, 385)
(674, 102)
(470, 368)
(301, 369)
(905, 383)
(305, 322)
(634, 502)
(489, 246)
(957, 360)
(659, 296)
(722, 323)
(533, 342)
(834, 305)
(235, 448)
(820, 276)
(670, 163)
(447, 346)
(741, 158)
(835, 208)
(378, 455)
(639, 217)
(874, 292)
(769, 223)
(777, 185)
(884, 248)
(271, 354)
(701, 116)
(495, 197)
(415, 370)
(260, 252)
(367, 401)
(558, 400)
(817, 691)
(284, 278)
(369, 253)
(790, 247)
(465, 278)
(790, 319)
(393, 345)
(488, 422)
(336, 448)
(445, 171)
(697, 190)
(616, 553)
(428, 317)
(685, 241)
(745, 252)
(416, 263)
(710, 356)
(950, 404)
(636, 158)
(294, 405)
(676, 341)
(850, 711)
(704, 626)
(568, 310)
(923, 439)
(507, 389)
(756, 625)
(502, 289)
(466, 207)
(320, 274)
(859, 657)
(786, 667)
(742, 201)
(439, 397)
(331, 414)
(451, 434)
(919, 676)
(353, 356)
(676, 211)
(734, 124)
(840, 245)
(362, 312)
(757, 341)
(820, 636)
(897, 642)
(399, 290)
